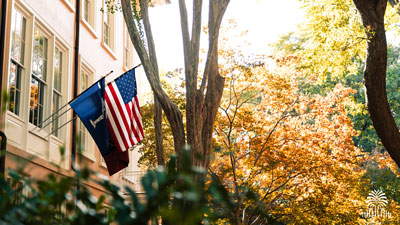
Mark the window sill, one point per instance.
(68, 5)
(57, 140)
(88, 156)
(37, 132)
(103, 163)
(15, 116)
(109, 50)
(89, 28)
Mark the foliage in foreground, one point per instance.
(169, 193)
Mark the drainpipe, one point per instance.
(2, 53)
(75, 93)
(76, 78)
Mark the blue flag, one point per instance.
(90, 107)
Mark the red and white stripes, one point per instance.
(124, 120)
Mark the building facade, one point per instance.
(38, 75)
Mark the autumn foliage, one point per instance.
(294, 150)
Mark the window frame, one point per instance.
(109, 28)
(90, 20)
(59, 93)
(42, 81)
(29, 73)
(128, 51)
(20, 65)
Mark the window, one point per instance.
(88, 11)
(18, 28)
(86, 4)
(36, 82)
(38, 79)
(57, 94)
(108, 28)
(83, 85)
(128, 50)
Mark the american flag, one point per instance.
(123, 112)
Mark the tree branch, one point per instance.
(171, 110)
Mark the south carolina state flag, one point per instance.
(123, 112)
(90, 107)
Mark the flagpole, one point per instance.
(126, 72)
(54, 119)
(136, 66)
(60, 127)
(40, 124)
(69, 103)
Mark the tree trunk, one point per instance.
(149, 62)
(372, 13)
(158, 132)
(201, 103)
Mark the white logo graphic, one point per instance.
(101, 117)
(376, 202)
(94, 123)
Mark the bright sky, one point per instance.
(265, 21)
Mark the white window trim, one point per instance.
(64, 85)
(90, 25)
(47, 101)
(23, 114)
(110, 48)
(130, 49)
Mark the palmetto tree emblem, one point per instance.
(376, 199)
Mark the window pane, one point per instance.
(44, 58)
(40, 55)
(56, 106)
(18, 26)
(106, 16)
(126, 57)
(18, 37)
(106, 34)
(57, 70)
(36, 101)
(83, 85)
(106, 27)
(82, 135)
(127, 52)
(15, 88)
(86, 10)
(57, 97)
(38, 79)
